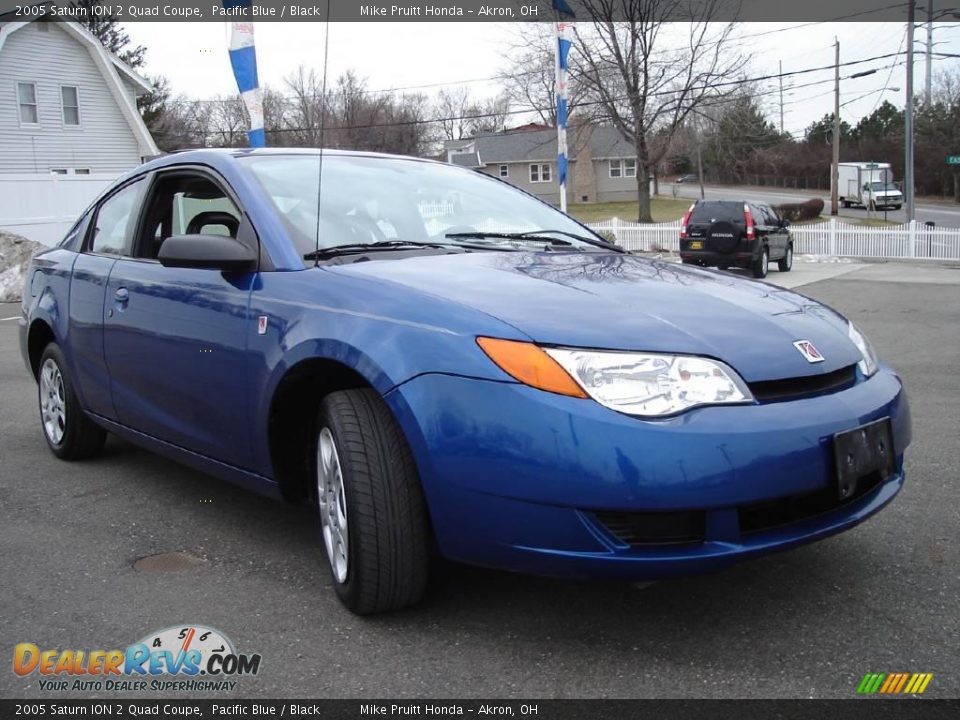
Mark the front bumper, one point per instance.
(515, 478)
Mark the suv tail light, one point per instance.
(748, 217)
(683, 223)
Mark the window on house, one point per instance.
(626, 168)
(81, 171)
(504, 171)
(70, 100)
(540, 172)
(58, 171)
(27, 99)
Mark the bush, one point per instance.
(608, 236)
(809, 210)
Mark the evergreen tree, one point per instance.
(108, 30)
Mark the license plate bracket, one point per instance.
(696, 245)
(861, 451)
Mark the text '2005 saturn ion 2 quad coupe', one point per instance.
(444, 365)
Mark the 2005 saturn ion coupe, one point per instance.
(444, 365)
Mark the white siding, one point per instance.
(104, 142)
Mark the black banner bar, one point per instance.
(460, 10)
(854, 709)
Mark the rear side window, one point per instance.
(112, 233)
(717, 210)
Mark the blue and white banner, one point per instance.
(564, 42)
(243, 59)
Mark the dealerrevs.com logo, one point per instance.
(184, 658)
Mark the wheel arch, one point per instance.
(39, 335)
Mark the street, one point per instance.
(943, 215)
(807, 623)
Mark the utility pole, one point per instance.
(928, 80)
(835, 165)
(908, 134)
(781, 94)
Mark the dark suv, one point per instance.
(732, 233)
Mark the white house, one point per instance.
(69, 124)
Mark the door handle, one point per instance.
(121, 295)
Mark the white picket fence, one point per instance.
(44, 207)
(833, 237)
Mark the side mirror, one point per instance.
(211, 252)
(786, 223)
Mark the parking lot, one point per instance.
(808, 623)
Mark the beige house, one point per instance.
(602, 165)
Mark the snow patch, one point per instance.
(825, 259)
(15, 254)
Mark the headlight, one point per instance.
(869, 364)
(652, 385)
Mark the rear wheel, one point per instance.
(373, 518)
(762, 264)
(786, 262)
(69, 433)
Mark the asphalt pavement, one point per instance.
(807, 623)
(945, 215)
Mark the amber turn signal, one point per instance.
(530, 365)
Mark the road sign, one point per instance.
(953, 159)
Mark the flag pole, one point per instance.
(561, 53)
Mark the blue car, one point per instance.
(445, 366)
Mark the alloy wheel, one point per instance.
(53, 404)
(332, 502)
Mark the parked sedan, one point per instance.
(443, 364)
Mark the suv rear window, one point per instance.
(705, 212)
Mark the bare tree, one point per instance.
(529, 78)
(647, 75)
(306, 108)
(461, 116)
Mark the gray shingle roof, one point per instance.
(467, 160)
(533, 145)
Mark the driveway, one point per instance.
(808, 623)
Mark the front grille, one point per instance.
(801, 387)
(762, 516)
(655, 528)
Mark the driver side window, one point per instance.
(186, 204)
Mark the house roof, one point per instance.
(106, 62)
(466, 159)
(534, 145)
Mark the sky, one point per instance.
(431, 56)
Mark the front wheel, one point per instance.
(762, 264)
(786, 262)
(69, 433)
(373, 518)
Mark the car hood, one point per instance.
(623, 302)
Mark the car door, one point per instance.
(770, 231)
(108, 236)
(176, 338)
(779, 232)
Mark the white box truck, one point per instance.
(868, 184)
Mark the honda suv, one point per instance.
(727, 233)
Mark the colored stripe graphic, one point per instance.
(894, 683)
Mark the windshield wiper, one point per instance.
(521, 237)
(348, 248)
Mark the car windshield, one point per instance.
(390, 202)
(881, 186)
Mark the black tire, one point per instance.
(761, 265)
(388, 548)
(687, 261)
(897, 207)
(80, 437)
(786, 262)
(723, 267)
